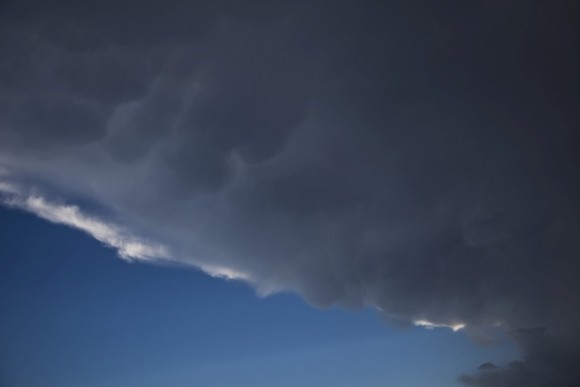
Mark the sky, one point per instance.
(303, 192)
(75, 315)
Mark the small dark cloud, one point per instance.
(487, 366)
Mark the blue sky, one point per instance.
(75, 315)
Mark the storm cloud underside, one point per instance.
(418, 158)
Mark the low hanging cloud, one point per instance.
(417, 158)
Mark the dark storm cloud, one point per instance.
(417, 157)
(548, 361)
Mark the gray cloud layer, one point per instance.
(418, 158)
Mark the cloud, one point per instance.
(418, 159)
(128, 246)
(548, 361)
(431, 325)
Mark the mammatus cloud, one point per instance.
(416, 158)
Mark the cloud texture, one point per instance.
(415, 157)
(127, 245)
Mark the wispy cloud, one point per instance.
(430, 325)
(127, 245)
(218, 271)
